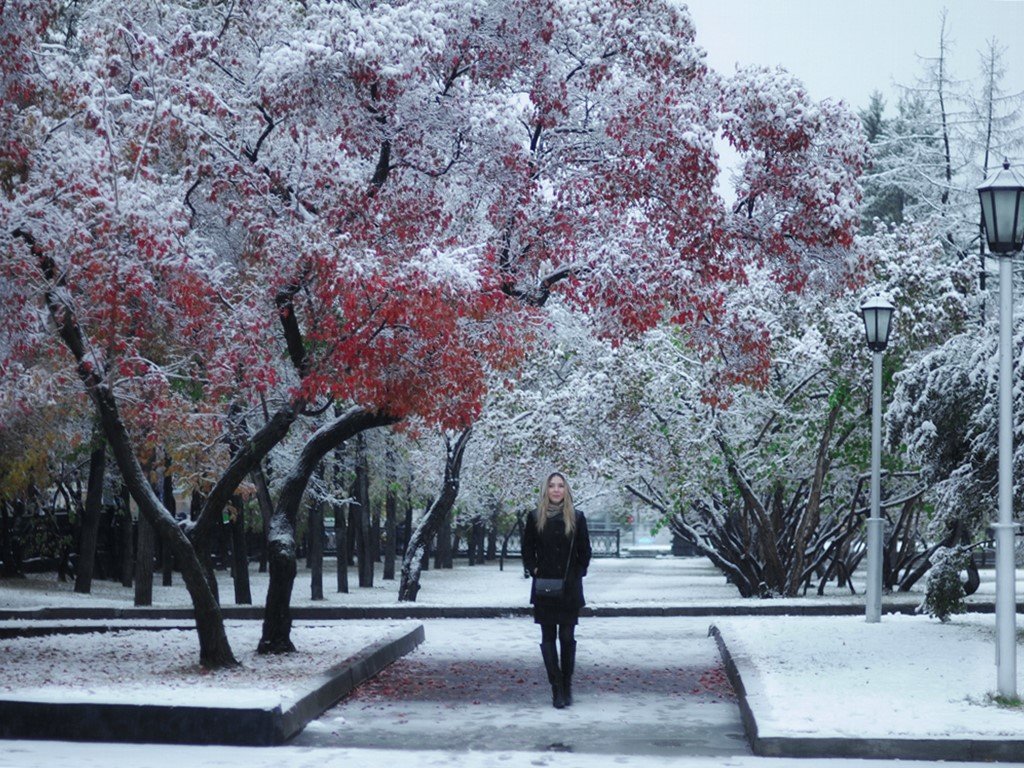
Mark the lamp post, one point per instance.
(1002, 211)
(877, 314)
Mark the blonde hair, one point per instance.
(568, 510)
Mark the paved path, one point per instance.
(647, 686)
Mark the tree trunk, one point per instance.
(769, 547)
(127, 538)
(203, 549)
(445, 544)
(375, 534)
(364, 533)
(352, 526)
(277, 623)
(341, 545)
(11, 567)
(91, 516)
(277, 618)
(408, 521)
(492, 536)
(214, 650)
(239, 554)
(259, 479)
(811, 517)
(390, 529)
(166, 556)
(436, 513)
(428, 545)
(480, 538)
(144, 563)
(316, 550)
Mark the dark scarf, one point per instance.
(555, 510)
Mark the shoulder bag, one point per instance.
(554, 589)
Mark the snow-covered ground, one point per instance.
(24, 754)
(611, 581)
(129, 665)
(906, 676)
(660, 582)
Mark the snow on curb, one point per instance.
(810, 714)
(236, 716)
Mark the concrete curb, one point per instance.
(38, 628)
(747, 688)
(331, 613)
(252, 613)
(155, 723)
(343, 678)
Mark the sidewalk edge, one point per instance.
(343, 678)
(171, 724)
(966, 750)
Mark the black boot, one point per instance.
(568, 665)
(550, 655)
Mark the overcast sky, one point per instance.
(848, 48)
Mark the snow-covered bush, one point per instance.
(945, 592)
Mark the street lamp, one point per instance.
(877, 314)
(1002, 211)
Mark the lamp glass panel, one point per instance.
(986, 212)
(1006, 203)
(1003, 212)
(883, 317)
(1018, 232)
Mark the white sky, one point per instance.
(845, 49)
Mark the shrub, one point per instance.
(945, 593)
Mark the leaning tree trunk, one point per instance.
(428, 527)
(91, 516)
(277, 622)
(809, 521)
(214, 650)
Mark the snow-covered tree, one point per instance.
(224, 220)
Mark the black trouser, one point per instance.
(564, 632)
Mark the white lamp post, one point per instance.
(877, 314)
(1002, 210)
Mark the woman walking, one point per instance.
(556, 545)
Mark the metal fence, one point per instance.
(604, 542)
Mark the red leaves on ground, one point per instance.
(484, 682)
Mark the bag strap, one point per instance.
(568, 560)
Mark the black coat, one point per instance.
(548, 553)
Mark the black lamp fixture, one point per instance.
(1002, 209)
(877, 314)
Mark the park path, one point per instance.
(643, 686)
